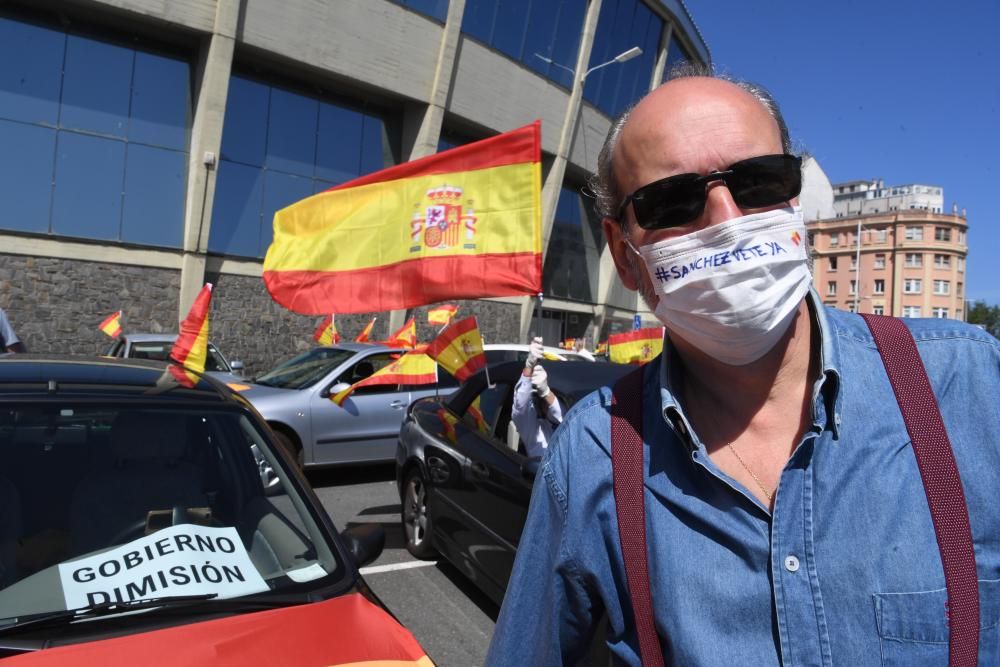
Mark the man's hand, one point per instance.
(540, 381)
(535, 352)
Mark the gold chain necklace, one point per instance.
(743, 463)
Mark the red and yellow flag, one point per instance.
(326, 332)
(461, 224)
(477, 414)
(635, 347)
(410, 368)
(191, 347)
(112, 324)
(406, 336)
(459, 349)
(366, 334)
(448, 422)
(442, 314)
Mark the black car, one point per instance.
(135, 497)
(464, 479)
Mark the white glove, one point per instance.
(540, 381)
(535, 352)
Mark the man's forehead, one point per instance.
(695, 124)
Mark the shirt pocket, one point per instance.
(913, 628)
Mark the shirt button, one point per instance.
(791, 563)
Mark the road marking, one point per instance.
(408, 565)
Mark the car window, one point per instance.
(367, 367)
(158, 350)
(481, 414)
(105, 503)
(306, 369)
(215, 361)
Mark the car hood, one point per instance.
(343, 630)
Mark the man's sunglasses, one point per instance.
(757, 182)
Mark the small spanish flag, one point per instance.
(448, 422)
(411, 368)
(191, 347)
(366, 334)
(112, 324)
(459, 349)
(406, 336)
(635, 347)
(326, 332)
(477, 414)
(442, 314)
(461, 224)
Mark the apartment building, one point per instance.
(891, 251)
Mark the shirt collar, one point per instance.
(827, 385)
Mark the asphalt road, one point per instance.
(450, 618)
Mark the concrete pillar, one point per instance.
(214, 69)
(554, 180)
(662, 56)
(422, 122)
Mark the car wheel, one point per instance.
(416, 516)
(290, 447)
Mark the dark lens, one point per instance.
(765, 181)
(672, 202)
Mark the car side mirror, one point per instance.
(236, 365)
(336, 389)
(364, 542)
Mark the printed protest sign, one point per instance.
(179, 560)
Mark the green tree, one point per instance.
(985, 315)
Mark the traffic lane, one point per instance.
(449, 616)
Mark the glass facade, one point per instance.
(520, 29)
(676, 54)
(94, 136)
(621, 25)
(573, 258)
(279, 147)
(437, 9)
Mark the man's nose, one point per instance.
(719, 205)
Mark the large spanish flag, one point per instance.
(459, 349)
(410, 368)
(461, 224)
(326, 332)
(191, 347)
(635, 347)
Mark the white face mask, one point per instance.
(732, 289)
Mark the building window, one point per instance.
(94, 136)
(620, 26)
(831, 288)
(912, 286)
(942, 287)
(958, 289)
(878, 310)
(942, 234)
(879, 286)
(834, 239)
(854, 262)
(914, 260)
(854, 287)
(833, 263)
(279, 147)
(574, 253)
(961, 264)
(519, 29)
(914, 233)
(940, 313)
(961, 237)
(911, 311)
(881, 235)
(880, 261)
(942, 261)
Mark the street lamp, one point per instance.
(620, 58)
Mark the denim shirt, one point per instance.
(845, 572)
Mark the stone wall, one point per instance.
(55, 306)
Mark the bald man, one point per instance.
(786, 521)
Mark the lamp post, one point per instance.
(620, 58)
(857, 266)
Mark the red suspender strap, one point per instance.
(626, 465)
(942, 484)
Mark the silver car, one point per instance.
(294, 398)
(158, 345)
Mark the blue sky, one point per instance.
(904, 91)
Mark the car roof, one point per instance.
(517, 347)
(153, 337)
(363, 347)
(572, 380)
(47, 376)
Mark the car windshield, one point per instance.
(160, 351)
(306, 369)
(114, 503)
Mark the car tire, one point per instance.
(294, 451)
(416, 516)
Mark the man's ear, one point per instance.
(620, 252)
